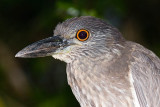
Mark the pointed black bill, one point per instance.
(42, 48)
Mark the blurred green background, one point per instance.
(42, 82)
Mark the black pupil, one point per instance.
(82, 35)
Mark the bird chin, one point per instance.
(63, 54)
(62, 58)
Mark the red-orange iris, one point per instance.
(82, 35)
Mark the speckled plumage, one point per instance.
(107, 84)
(124, 75)
(106, 70)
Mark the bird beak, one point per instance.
(42, 48)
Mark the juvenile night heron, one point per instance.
(103, 69)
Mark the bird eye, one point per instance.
(82, 35)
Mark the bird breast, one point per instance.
(94, 84)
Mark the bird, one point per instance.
(103, 68)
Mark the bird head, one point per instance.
(75, 38)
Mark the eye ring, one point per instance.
(82, 35)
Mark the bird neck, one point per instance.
(100, 80)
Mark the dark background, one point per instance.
(42, 82)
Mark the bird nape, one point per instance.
(103, 69)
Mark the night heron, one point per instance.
(103, 69)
